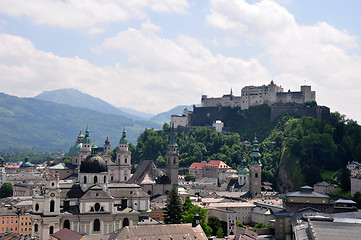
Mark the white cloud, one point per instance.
(319, 53)
(164, 73)
(75, 14)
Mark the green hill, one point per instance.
(31, 124)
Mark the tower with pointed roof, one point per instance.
(255, 170)
(121, 172)
(172, 158)
(107, 146)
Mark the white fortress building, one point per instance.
(257, 95)
(251, 96)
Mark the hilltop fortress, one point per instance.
(281, 102)
(257, 95)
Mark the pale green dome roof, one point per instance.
(75, 149)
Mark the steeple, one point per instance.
(124, 140)
(87, 139)
(94, 150)
(255, 155)
(172, 158)
(172, 142)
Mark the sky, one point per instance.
(152, 55)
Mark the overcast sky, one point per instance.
(152, 55)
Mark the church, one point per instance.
(104, 197)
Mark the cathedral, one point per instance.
(104, 197)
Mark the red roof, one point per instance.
(210, 164)
(197, 165)
(67, 234)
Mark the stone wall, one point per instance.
(205, 116)
(299, 110)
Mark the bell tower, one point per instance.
(124, 159)
(172, 158)
(255, 170)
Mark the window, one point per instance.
(125, 222)
(95, 179)
(97, 207)
(105, 179)
(66, 224)
(51, 230)
(84, 179)
(96, 225)
(52, 206)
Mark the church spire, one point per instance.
(255, 155)
(124, 140)
(172, 142)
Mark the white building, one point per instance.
(218, 125)
(93, 206)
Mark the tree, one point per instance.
(214, 223)
(261, 225)
(357, 199)
(173, 209)
(187, 205)
(220, 233)
(6, 190)
(239, 224)
(160, 162)
(345, 179)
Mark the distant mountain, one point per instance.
(76, 98)
(32, 124)
(165, 117)
(133, 112)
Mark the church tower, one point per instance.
(107, 146)
(46, 208)
(123, 160)
(172, 158)
(255, 168)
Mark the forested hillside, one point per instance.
(295, 151)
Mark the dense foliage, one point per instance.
(6, 190)
(295, 151)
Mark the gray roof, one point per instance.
(306, 191)
(96, 192)
(155, 232)
(326, 230)
(147, 173)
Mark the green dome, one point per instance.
(75, 149)
(87, 139)
(243, 171)
(123, 140)
(26, 163)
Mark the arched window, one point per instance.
(36, 227)
(84, 179)
(97, 207)
(125, 222)
(52, 206)
(125, 160)
(105, 179)
(66, 224)
(174, 159)
(149, 192)
(51, 230)
(96, 225)
(125, 178)
(256, 175)
(95, 179)
(36, 207)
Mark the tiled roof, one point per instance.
(67, 234)
(155, 232)
(197, 165)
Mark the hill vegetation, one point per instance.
(28, 124)
(295, 151)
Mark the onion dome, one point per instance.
(123, 140)
(255, 155)
(87, 139)
(80, 134)
(243, 170)
(107, 142)
(93, 163)
(26, 163)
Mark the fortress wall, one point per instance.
(205, 116)
(319, 112)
